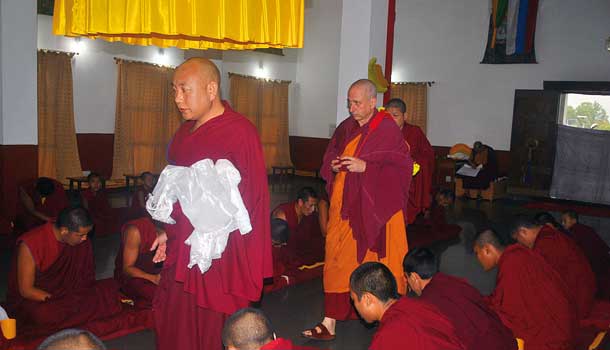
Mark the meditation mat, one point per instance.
(129, 320)
(559, 207)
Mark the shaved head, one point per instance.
(206, 69)
(368, 87)
(247, 329)
(489, 237)
(72, 339)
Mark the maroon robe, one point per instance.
(426, 231)
(533, 300)
(50, 206)
(285, 344)
(306, 242)
(68, 274)
(597, 252)
(191, 307)
(107, 220)
(563, 254)
(421, 185)
(140, 290)
(412, 324)
(476, 325)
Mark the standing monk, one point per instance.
(191, 307)
(422, 154)
(368, 171)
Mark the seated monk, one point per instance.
(106, 219)
(595, 249)
(476, 325)
(41, 201)
(404, 323)
(485, 157)
(138, 200)
(306, 241)
(564, 255)
(250, 329)
(72, 339)
(422, 153)
(134, 268)
(530, 297)
(433, 225)
(52, 279)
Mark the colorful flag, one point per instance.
(512, 28)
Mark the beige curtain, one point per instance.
(415, 96)
(57, 150)
(146, 118)
(265, 104)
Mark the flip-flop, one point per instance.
(323, 334)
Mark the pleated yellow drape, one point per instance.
(186, 24)
(57, 149)
(415, 96)
(265, 104)
(146, 118)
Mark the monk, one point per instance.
(564, 255)
(368, 171)
(52, 279)
(200, 303)
(433, 226)
(595, 249)
(422, 153)
(404, 323)
(41, 200)
(305, 242)
(106, 219)
(476, 325)
(138, 201)
(250, 329)
(134, 268)
(485, 157)
(530, 297)
(72, 339)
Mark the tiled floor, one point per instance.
(294, 309)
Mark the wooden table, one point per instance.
(80, 180)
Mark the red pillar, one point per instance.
(389, 47)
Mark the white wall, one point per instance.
(317, 71)
(94, 73)
(443, 41)
(18, 72)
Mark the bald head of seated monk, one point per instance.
(72, 339)
(250, 329)
(279, 232)
(404, 323)
(477, 326)
(530, 296)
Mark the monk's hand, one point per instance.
(160, 244)
(156, 279)
(353, 164)
(335, 164)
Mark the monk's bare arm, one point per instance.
(323, 216)
(131, 250)
(279, 214)
(28, 203)
(26, 275)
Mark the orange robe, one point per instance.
(341, 253)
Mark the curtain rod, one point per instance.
(117, 59)
(71, 54)
(429, 83)
(265, 79)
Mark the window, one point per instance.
(586, 111)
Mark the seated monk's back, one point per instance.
(475, 323)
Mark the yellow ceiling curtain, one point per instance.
(186, 24)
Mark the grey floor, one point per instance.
(294, 309)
